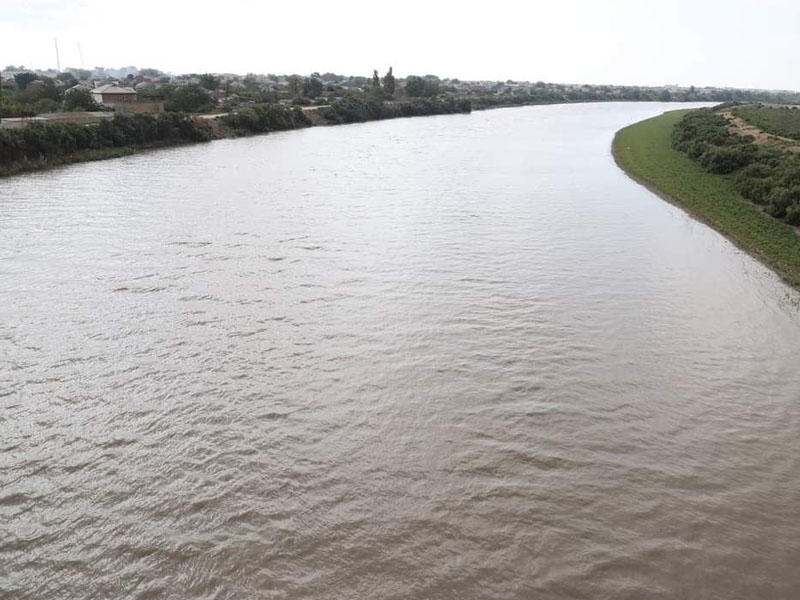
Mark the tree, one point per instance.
(415, 85)
(312, 87)
(421, 86)
(208, 81)
(23, 79)
(46, 105)
(189, 98)
(295, 83)
(376, 80)
(67, 79)
(79, 99)
(389, 83)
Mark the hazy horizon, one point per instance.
(738, 44)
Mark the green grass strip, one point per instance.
(644, 151)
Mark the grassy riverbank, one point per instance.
(644, 151)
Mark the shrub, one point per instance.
(793, 214)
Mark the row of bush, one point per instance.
(263, 118)
(765, 175)
(48, 140)
(359, 108)
(353, 108)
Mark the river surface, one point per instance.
(448, 357)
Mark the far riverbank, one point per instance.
(44, 144)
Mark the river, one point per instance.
(448, 357)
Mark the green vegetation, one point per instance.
(422, 87)
(515, 94)
(777, 120)
(23, 79)
(43, 144)
(355, 108)
(80, 99)
(192, 98)
(389, 83)
(263, 118)
(31, 96)
(645, 151)
(766, 175)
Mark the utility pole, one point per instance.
(58, 60)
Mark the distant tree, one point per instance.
(23, 79)
(389, 83)
(67, 78)
(46, 105)
(295, 83)
(421, 86)
(312, 87)
(189, 98)
(208, 81)
(43, 87)
(79, 99)
(415, 86)
(376, 80)
(81, 74)
(149, 73)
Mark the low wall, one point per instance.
(152, 108)
(71, 117)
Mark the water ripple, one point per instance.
(475, 362)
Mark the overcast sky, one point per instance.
(737, 43)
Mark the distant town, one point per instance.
(49, 118)
(48, 94)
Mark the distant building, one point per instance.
(112, 95)
(77, 87)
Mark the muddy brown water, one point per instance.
(447, 357)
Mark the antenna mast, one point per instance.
(58, 60)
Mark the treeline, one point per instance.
(547, 93)
(263, 118)
(51, 141)
(359, 108)
(32, 94)
(353, 108)
(766, 175)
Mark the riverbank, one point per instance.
(44, 144)
(644, 151)
(44, 164)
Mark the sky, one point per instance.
(735, 43)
